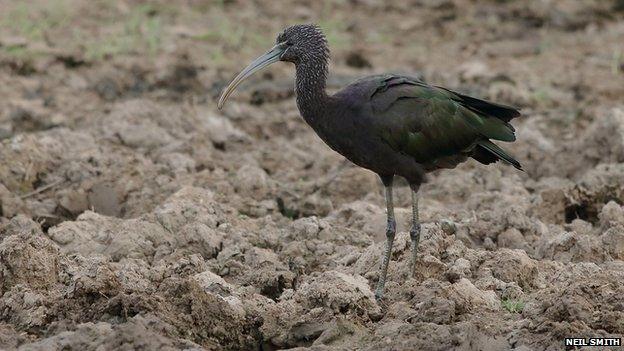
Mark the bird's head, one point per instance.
(296, 44)
(302, 41)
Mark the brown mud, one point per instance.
(135, 215)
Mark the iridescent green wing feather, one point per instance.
(429, 123)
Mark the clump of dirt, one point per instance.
(134, 214)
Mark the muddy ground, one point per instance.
(135, 215)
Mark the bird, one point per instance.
(391, 124)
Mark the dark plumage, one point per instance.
(390, 124)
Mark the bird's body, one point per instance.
(389, 124)
(398, 125)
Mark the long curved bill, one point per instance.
(268, 58)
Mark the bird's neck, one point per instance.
(310, 84)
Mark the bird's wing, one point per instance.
(429, 123)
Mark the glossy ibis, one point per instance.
(389, 124)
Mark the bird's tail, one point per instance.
(488, 152)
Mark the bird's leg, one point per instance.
(415, 229)
(390, 232)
